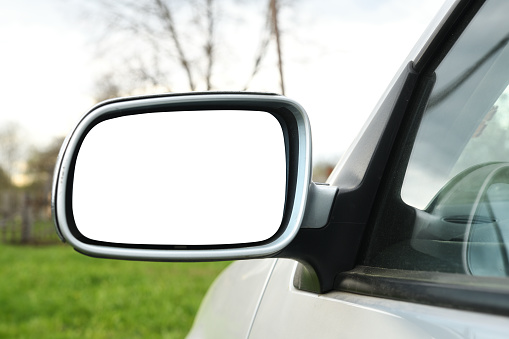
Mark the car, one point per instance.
(408, 238)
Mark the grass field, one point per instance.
(54, 292)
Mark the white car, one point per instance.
(409, 237)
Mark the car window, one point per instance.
(452, 214)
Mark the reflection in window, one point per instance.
(490, 141)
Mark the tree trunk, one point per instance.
(275, 30)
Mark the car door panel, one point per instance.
(286, 312)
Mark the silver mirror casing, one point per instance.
(297, 139)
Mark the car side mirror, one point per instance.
(185, 177)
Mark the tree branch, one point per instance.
(165, 14)
(209, 44)
(275, 30)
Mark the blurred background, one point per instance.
(60, 57)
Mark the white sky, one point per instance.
(339, 57)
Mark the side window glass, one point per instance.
(457, 179)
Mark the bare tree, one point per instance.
(155, 46)
(11, 150)
(11, 153)
(163, 40)
(5, 180)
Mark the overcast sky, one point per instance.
(339, 58)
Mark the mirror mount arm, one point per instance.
(319, 205)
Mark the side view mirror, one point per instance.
(200, 176)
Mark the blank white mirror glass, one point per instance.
(181, 178)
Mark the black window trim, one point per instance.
(469, 293)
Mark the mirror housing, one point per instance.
(296, 137)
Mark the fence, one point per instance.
(25, 220)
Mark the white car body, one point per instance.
(257, 299)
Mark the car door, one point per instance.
(433, 259)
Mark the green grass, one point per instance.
(54, 292)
